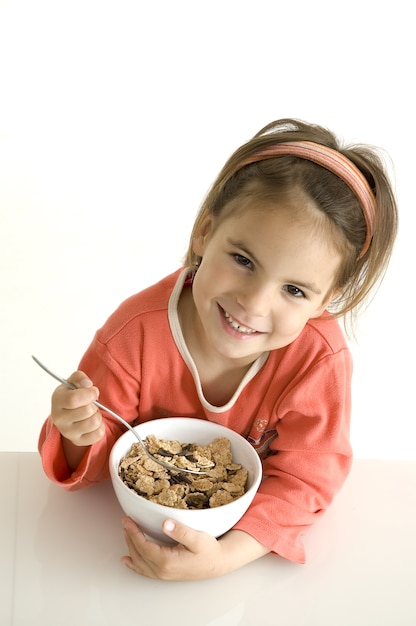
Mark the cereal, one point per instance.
(221, 482)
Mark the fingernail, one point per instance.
(85, 382)
(169, 525)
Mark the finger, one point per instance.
(85, 392)
(73, 409)
(135, 562)
(135, 555)
(133, 532)
(72, 399)
(136, 542)
(80, 379)
(86, 431)
(188, 537)
(83, 425)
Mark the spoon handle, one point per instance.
(120, 419)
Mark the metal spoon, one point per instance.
(168, 466)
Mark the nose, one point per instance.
(257, 299)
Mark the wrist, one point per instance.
(73, 454)
(238, 549)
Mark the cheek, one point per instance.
(202, 287)
(289, 321)
(209, 278)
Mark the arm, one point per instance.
(75, 441)
(73, 454)
(308, 460)
(73, 427)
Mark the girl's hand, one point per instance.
(74, 414)
(196, 556)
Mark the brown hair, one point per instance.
(359, 274)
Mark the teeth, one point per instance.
(236, 326)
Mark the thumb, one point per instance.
(188, 537)
(81, 381)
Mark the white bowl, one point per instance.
(150, 515)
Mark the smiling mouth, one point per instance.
(245, 330)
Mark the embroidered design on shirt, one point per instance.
(259, 437)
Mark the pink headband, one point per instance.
(336, 163)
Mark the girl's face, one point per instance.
(264, 273)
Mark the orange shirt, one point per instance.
(293, 406)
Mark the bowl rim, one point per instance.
(114, 461)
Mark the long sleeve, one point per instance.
(114, 362)
(93, 468)
(308, 460)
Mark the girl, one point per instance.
(294, 226)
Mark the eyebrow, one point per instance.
(297, 283)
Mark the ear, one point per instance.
(201, 236)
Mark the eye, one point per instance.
(243, 260)
(294, 291)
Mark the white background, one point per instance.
(115, 117)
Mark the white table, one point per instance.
(60, 561)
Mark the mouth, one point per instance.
(237, 326)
